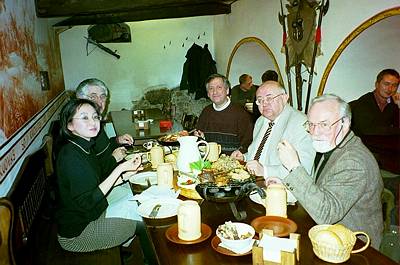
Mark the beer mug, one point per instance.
(215, 151)
(276, 200)
(150, 144)
(165, 175)
(155, 156)
(189, 220)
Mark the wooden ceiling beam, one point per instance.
(66, 8)
(149, 13)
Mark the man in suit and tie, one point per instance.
(278, 121)
(346, 185)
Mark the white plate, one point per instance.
(143, 155)
(181, 179)
(169, 207)
(141, 178)
(255, 197)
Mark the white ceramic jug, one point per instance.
(189, 152)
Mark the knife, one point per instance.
(154, 211)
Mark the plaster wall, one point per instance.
(153, 59)
(260, 19)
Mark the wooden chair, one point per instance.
(387, 207)
(6, 227)
(189, 121)
(21, 207)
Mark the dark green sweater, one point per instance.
(79, 173)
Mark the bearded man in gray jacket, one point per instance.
(346, 185)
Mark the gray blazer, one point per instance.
(288, 126)
(348, 190)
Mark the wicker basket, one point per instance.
(334, 254)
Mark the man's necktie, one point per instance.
(264, 139)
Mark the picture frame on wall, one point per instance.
(44, 80)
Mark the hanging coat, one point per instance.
(198, 67)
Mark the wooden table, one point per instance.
(214, 214)
(122, 121)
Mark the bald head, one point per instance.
(271, 99)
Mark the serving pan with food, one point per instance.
(227, 181)
(172, 139)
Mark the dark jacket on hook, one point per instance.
(198, 66)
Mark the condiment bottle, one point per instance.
(276, 200)
(189, 220)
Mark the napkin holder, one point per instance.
(137, 115)
(287, 258)
(142, 125)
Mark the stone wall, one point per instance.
(165, 98)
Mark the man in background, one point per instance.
(245, 91)
(223, 121)
(346, 185)
(376, 120)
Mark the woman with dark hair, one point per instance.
(84, 184)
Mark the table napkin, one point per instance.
(156, 192)
(121, 204)
(272, 247)
(241, 250)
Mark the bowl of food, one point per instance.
(235, 235)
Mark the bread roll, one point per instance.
(342, 232)
(326, 237)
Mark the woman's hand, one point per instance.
(125, 139)
(133, 164)
(119, 153)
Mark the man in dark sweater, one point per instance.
(376, 119)
(224, 122)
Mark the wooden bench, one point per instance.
(25, 236)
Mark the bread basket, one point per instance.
(332, 252)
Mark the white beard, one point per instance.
(322, 146)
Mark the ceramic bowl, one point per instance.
(242, 229)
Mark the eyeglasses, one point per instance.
(321, 125)
(87, 118)
(216, 88)
(95, 97)
(269, 99)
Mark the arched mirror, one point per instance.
(370, 48)
(250, 56)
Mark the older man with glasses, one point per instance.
(96, 91)
(346, 185)
(223, 121)
(278, 121)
